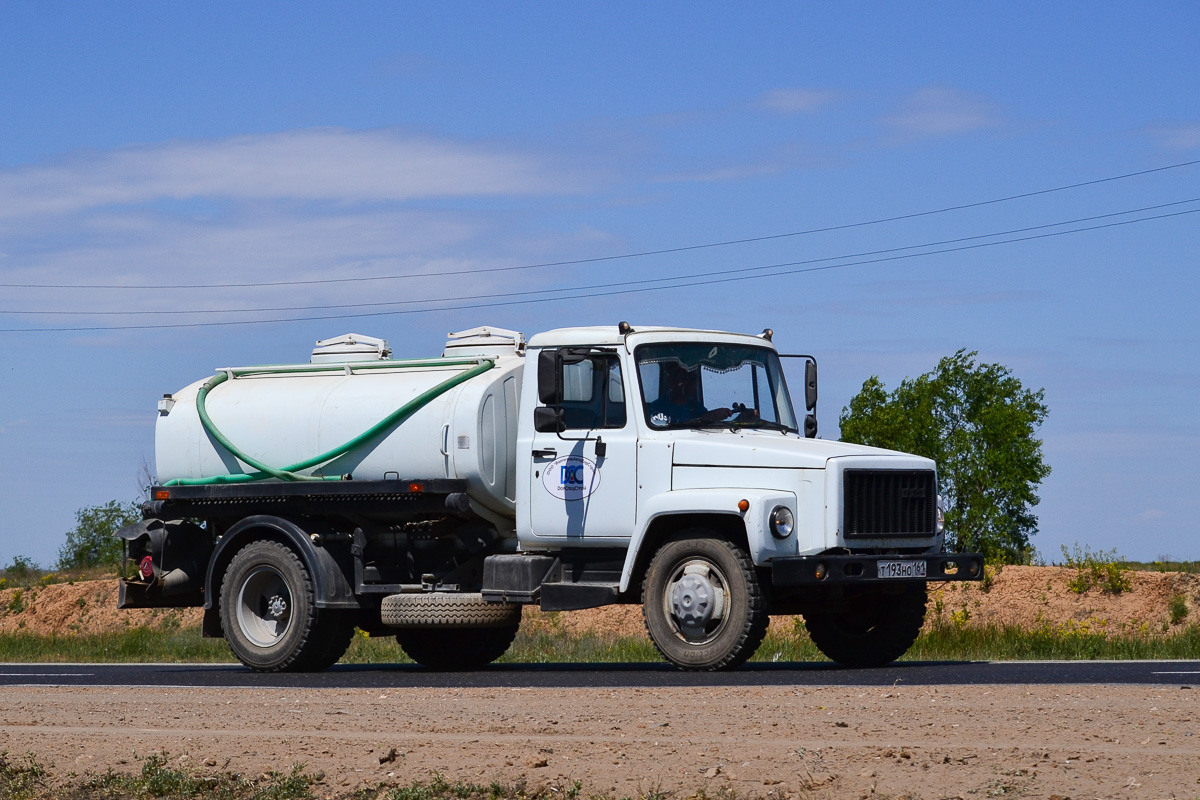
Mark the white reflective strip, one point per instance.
(46, 674)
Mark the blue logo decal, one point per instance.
(571, 477)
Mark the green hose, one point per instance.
(290, 472)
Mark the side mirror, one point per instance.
(548, 419)
(550, 378)
(810, 386)
(810, 426)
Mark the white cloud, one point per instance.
(1178, 137)
(939, 111)
(122, 247)
(796, 101)
(321, 164)
(296, 206)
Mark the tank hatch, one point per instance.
(350, 347)
(484, 341)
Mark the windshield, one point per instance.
(713, 385)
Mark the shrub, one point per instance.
(93, 542)
(1100, 569)
(16, 603)
(21, 569)
(990, 574)
(1177, 607)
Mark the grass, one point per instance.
(947, 642)
(26, 779)
(1165, 564)
(23, 778)
(1010, 643)
(134, 644)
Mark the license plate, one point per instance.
(901, 569)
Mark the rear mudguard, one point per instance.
(330, 571)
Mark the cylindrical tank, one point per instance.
(283, 417)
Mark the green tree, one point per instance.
(978, 423)
(93, 542)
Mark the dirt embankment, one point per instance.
(1029, 597)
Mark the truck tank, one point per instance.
(285, 415)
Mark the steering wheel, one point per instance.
(744, 413)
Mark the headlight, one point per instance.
(941, 516)
(782, 522)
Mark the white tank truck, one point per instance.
(431, 499)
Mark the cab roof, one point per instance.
(610, 335)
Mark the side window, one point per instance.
(577, 381)
(593, 394)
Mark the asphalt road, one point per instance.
(912, 673)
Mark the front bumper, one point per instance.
(840, 569)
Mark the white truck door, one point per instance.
(576, 497)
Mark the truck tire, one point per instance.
(702, 603)
(269, 613)
(335, 632)
(447, 610)
(457, 648)
(872, 630)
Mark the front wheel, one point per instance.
(870, 630)
(702, 603)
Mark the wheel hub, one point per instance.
(276, 607)
(263, 609)
(695, 601)
(692, 601)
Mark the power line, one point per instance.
(641, 254)
(692, 284)
(645, 281)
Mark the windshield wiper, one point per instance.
(764, 423)
(717, 418)
(700, 422)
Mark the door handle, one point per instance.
(549, 452)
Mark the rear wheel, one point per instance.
(870, 630)
(269, 613)
(702, 603)
(335, 632)
(457, 648)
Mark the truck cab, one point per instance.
(637, 438)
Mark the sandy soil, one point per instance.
(1073, 742)
(771, 742)
(1026, 596)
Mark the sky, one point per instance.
(442, 152)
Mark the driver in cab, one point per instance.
(678, 398)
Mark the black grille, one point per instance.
(889, 503)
